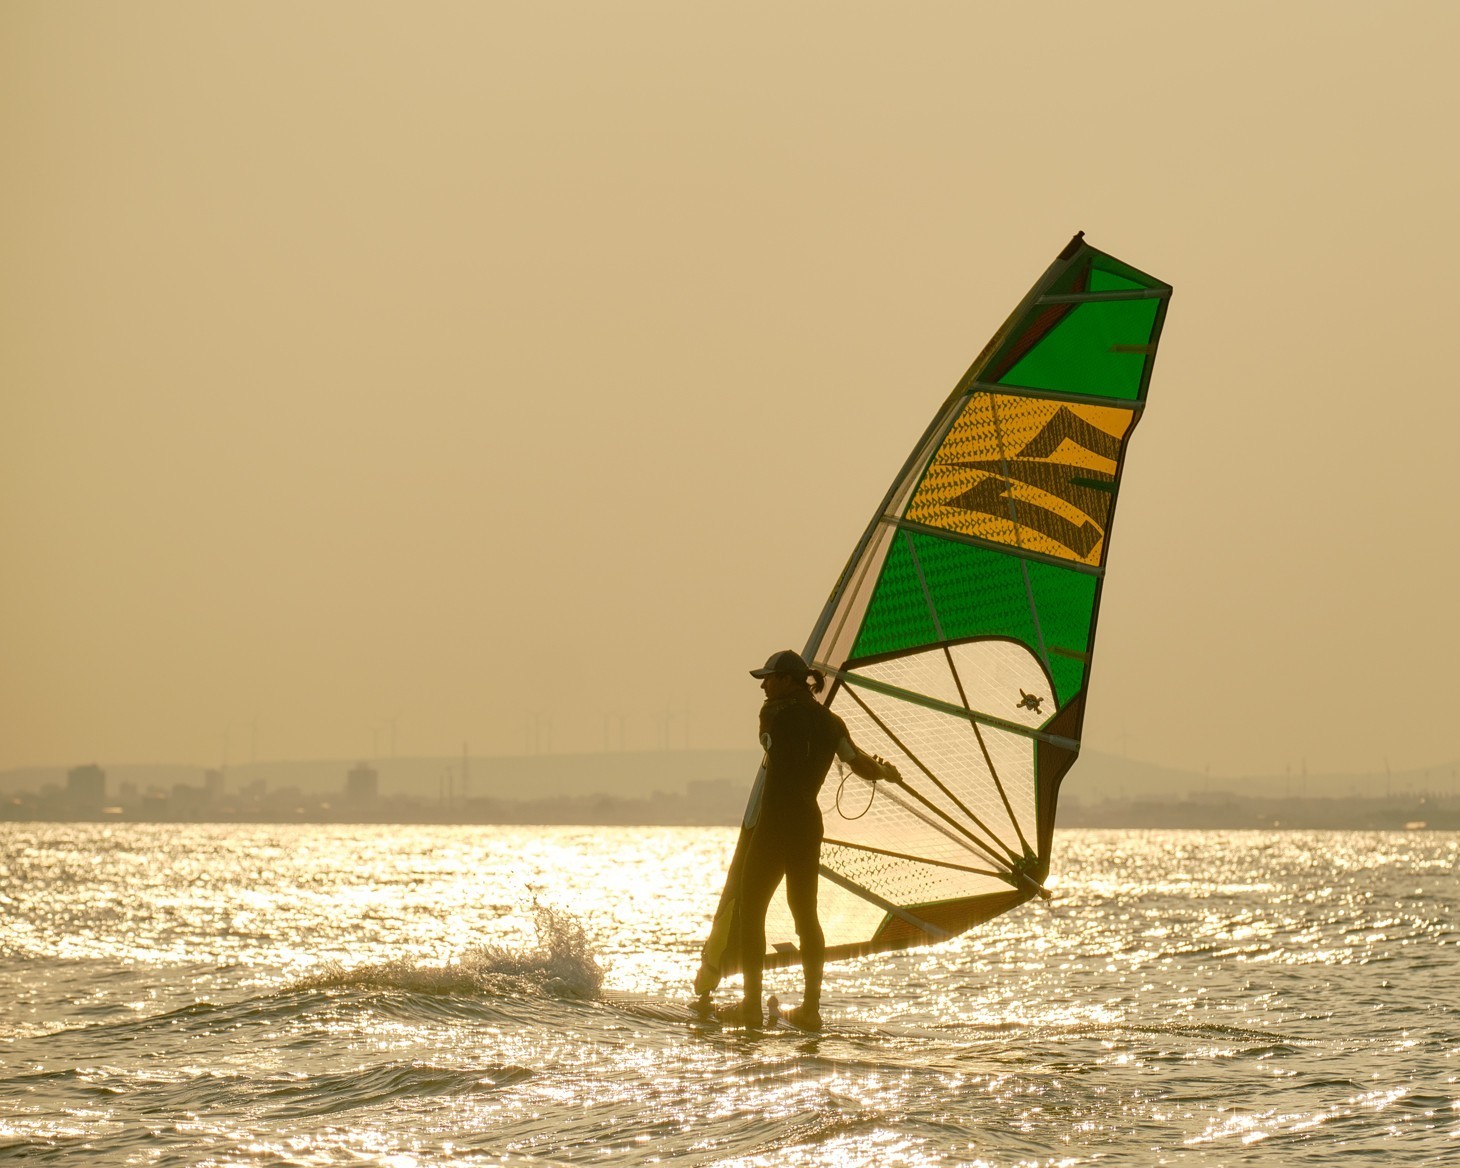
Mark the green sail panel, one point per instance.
(1097, 349)
(1101, 281)
(1103, 267)
(979, 592)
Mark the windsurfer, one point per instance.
(801, 737)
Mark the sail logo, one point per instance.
(1032, 473)
(1029, 701)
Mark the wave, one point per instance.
(327, 1094)
(1095, 1029)
(560, 965)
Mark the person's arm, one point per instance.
(868, 766)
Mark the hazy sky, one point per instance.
(432, 368)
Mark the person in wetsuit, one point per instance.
(801, 737)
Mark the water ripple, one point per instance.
(349, 995)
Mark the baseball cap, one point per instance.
(786, 661)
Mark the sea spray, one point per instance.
(560, 965)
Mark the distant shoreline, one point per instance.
(1235, 814)
(679, 788)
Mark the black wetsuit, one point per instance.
(800, 736)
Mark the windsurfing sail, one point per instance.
(957, 642)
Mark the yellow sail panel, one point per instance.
(1032, 473)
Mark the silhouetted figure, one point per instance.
(801, 737)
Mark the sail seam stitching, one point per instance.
(931, 806)
(885, 905)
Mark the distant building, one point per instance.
(86, 787)
(186, 802)
(212, 784)
(363, 782)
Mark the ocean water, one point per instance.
(322, 995)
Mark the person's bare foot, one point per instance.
(805, 1018)
(742, 1013)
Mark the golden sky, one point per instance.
(447, 367)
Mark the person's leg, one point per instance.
(802, 875)
(759, 876)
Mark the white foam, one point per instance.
(561, 965)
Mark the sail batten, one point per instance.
(836, 843)
(933, 931)
(1088, 399)
(1104, 297)
(932, 703)
(959, 637)
(959, 537)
